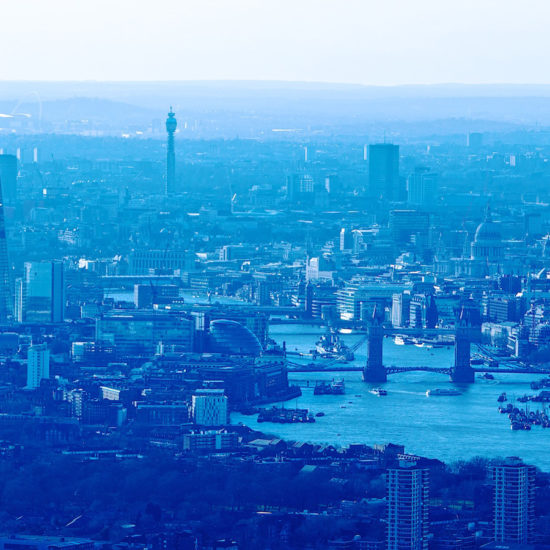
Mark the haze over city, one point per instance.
(274, 275)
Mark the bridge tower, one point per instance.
(467, 331)
(374, 370)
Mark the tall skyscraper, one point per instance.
(384, 182)
(8, 177)
(6, 301)
(38, 365)
(514, 493)
(407, 497)
(40, 294)
(171, 125)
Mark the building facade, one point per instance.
(40, 294)
(38, 365)
(407, 498)
(209, 407)
(514, 501)
(384, 180)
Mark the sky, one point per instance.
(371, 42)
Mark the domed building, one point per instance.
(486, 252)
(232, 338)
(487, 244)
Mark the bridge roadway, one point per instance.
(294, 367)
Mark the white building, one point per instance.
(209, 407)
(38, 365)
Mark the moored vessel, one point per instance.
(335, 387)
(330, 346)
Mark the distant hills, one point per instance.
(246, 107)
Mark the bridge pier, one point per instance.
(462, 371)
(374, 370)
(467, 331)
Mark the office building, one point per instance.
(171, 125)
(300, 189)
(501, 309)
(407, 499)
(139, 333)
(346, 239)
(209, 407)
(403, 224)
(38, 365)
(8, 178)
(143, 296)
(230, 252)
(210, 441)
(353, 297)
(146, 262)
(423, 311)
(514, 501)
(422, 188)
(162, 414)
(384, 182)
(400, 311)
(40, 294)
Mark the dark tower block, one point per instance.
(6, 299)
(384, 182)
(374, 370)
(8, 177)
(171, 125)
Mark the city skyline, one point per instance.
(258, 295)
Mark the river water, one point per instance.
(449, 428)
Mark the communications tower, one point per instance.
(171, 125)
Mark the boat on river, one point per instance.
(335, 387)
(330, 346)
(285, 416)
(442, 392)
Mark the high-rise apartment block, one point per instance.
(514, 494)
(407, 499)
(38, 365)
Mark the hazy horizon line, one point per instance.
(275, 81)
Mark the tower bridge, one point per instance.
(467, 331)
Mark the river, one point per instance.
(449, 428)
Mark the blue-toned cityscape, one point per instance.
(270, 280)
